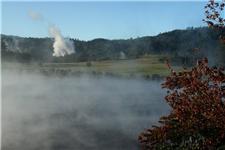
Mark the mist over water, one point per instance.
(82, 113)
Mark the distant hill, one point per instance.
(181, 45)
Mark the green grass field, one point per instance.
(148, 65)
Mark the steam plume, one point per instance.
(122, 55)
(35, 16)
(61, 45)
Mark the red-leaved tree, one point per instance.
(197, 118)
(197, 100)
(214, 12)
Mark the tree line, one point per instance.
(181, 45)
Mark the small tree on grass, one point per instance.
(197, 101)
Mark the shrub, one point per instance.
(88, 64)
(197, 118)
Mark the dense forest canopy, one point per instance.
(181, 45)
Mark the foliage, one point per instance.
(197, 118)
(214, 12)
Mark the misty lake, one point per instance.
(82, 113)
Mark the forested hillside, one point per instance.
(183, 46)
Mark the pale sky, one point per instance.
(111, 20)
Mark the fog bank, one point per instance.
(52, 113)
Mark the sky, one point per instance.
(110, 20)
